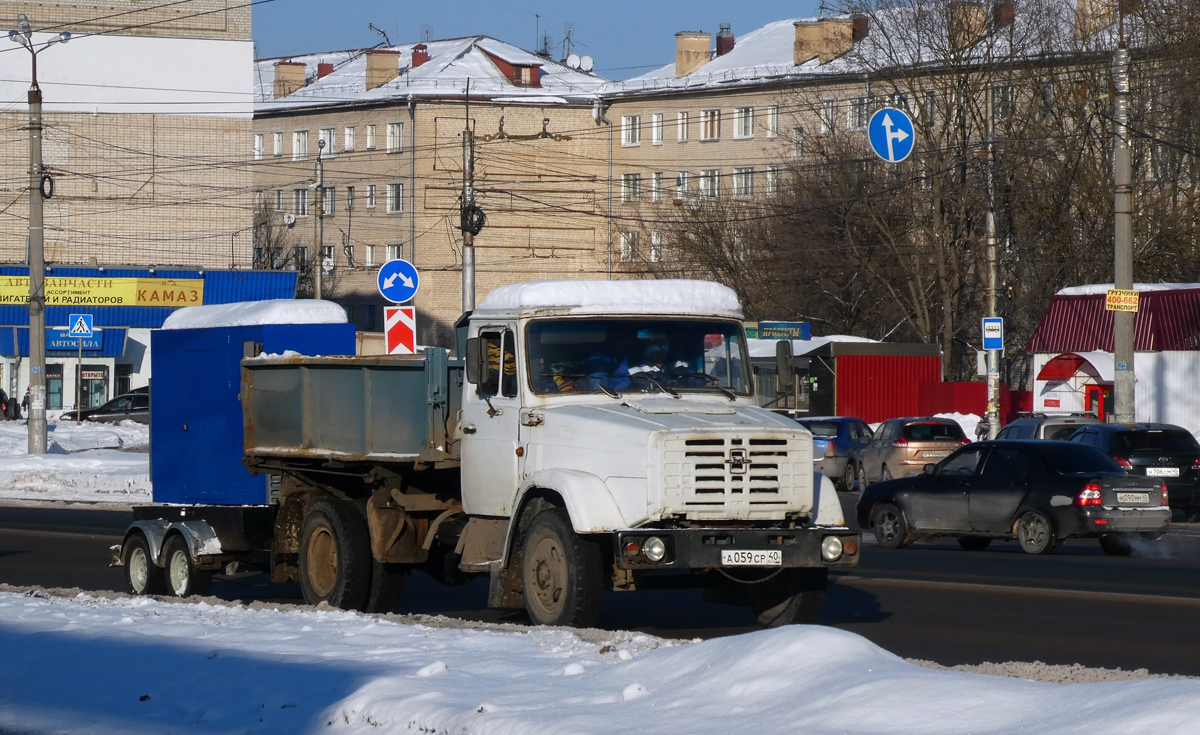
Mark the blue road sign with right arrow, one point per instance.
(398, 281)
(891, 134)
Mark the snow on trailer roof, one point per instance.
(700, 298)
(253, 313)
(1101, 289)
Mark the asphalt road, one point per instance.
(929, 601)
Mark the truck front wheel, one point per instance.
(335, 556)
(792, 596)
(560, 573)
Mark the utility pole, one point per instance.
(993, 356)
(319, 221)
(39, 180)
(1123, 321)
(468, 208)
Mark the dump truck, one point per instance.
(581, 437)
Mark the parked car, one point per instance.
(1039, 426)
(126, 407)
(1039, 492)
(1161, 451)
(836, 441)
(901, 447)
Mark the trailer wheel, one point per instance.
(561, 573)
(335, 556)
(794, 596)
(387, 585)
(142, 577)
(183, 578)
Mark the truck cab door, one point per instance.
(490, 429)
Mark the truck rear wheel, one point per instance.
(387, 585)
(183, 578)
(142, 577)
(560, 573)
(335, 556)
(793, 596)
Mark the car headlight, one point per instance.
(654, 549)
(831, 548)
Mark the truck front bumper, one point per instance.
(694, 549)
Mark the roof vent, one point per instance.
(289, 76)
(383, 65)
(420, 54)
(324, 70)
(724, 40)
(692, 51)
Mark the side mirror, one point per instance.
(930, 469)
(476, 362)
(783, 363)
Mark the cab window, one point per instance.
(1006, 465)
(502, 364)
(962, 464)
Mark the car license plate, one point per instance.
(934, 455)
(751, 558)
(1162, 472)
(1133, 498)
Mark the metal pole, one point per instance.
(993, 356)
(1123, 321)
(319, 222)
(79, 386)
(468, 257)
(37, 273)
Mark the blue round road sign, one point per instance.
(891, 134)
(398, 281)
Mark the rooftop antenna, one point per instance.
(537, 29)
(387, 41)
(567, 43)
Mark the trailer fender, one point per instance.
(589, 501)
(154, 531)
(200, 537)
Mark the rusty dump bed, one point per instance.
(398, 408)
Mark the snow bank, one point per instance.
(92, 462)
(253, 313)
(701, 298)
(968, 422)
(140, 665)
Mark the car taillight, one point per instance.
(1165, 500)
(901, 442)
(830, 449)
(1125, 464)
(964, 441)
(1089, 495)
(1196, 463)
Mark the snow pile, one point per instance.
(91, 462)
(140, 665)
(968, 422)
(766, 347)
(678, 296)
(254, 313)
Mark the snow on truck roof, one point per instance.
(253, 313)
(700, 298)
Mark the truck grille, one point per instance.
(736, 476)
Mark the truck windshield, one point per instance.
(646, 355)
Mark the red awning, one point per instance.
(1061, 367)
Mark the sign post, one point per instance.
(398, 282)
(80, 329)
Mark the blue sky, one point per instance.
(624, 38)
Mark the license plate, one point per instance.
(749, 558)
(1162, 472)
(1133, 498)
(934, 455)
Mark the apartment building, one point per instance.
(388, 124)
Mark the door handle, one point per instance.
(468, 428)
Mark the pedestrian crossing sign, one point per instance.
(80, 325)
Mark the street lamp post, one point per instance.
(38, 180)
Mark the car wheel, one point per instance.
(142, 577)
(974, 543)
(1035, 533)
(848, 477)
(562, 574)
(1115, 544)
(887, 474)
(891, 530)
(183, 578)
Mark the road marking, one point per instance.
(853, 580)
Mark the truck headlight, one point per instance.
(831, 548)
(654, 549)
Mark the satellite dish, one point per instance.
(573, 61)
(289, 219)
(586, 63)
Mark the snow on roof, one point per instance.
(451, 64)
(766, 347)
(1100, 289)
(617, 297)
(252, 313)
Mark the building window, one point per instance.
(772, 180)
(743, 183)
(349, 198)
(1002, 102)
(899, 100)
(681, 186)
(710, 183)
(328, 196)
(300, 256)
(258, 146)
(278, 144)
(1046, 109)
(656, 246)
(743, 126)
(656, 186)
(631, 130)
(327, 137)
(279, 200)
(628, 246)
(348, 139)
(856, 117)
(631, 187)
(395, 137)
(656, 128)
(828, 111)
(929, 113)
(772, 122)
(301, 202)
(370, 137)
(682, 125)
(327, 258)
(395, 251)
(299, 145)
(797, 144)
(710, 124)
(395, 198)
(370, 255)
(371, 196)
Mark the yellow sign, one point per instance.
(91, 291)
(1119, 300)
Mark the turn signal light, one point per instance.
(1165, 501)
(1089, 495)
(632, 548)
(1124, 463)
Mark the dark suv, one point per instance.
(1046, 427)
(1163, 451)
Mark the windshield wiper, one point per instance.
(715, 383)
(661, 386)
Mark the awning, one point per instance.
(1096, 364)
(1061, 367)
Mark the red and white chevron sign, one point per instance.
(400, 325)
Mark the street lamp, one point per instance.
(38, 179)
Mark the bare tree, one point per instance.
(277, 247)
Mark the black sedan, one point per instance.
(1039, 492)
(127, 407)
(1159, 451)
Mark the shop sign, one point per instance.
(107, 291)
(1121, 300)
(94, 375)
(59, 338)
